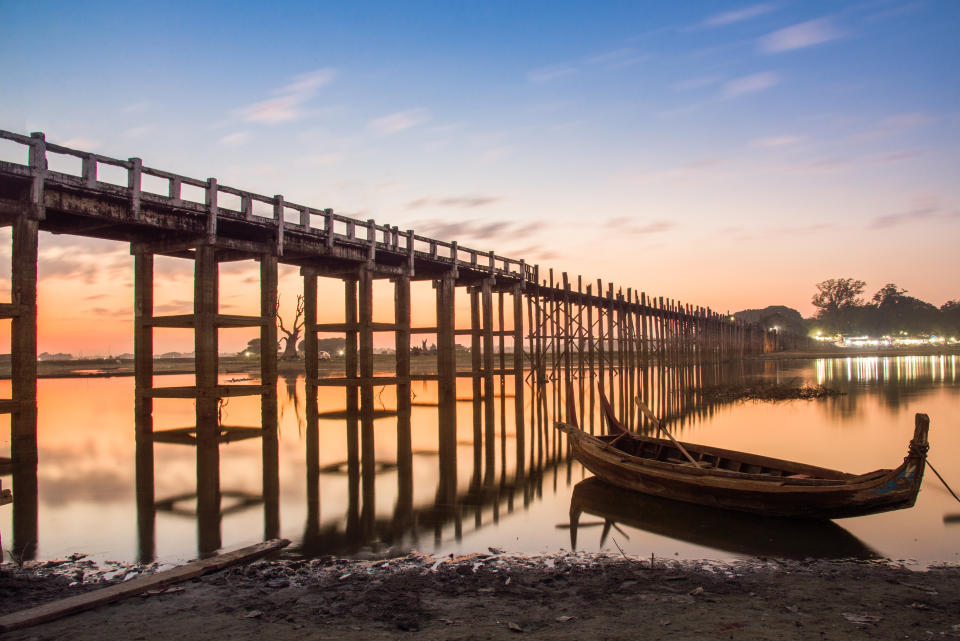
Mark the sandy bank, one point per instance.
(495, 596)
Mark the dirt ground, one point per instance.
(500, 596)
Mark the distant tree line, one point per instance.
(841, 308)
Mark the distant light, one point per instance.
(340, 352)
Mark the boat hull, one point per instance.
(807, 498)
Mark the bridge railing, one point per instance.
(230, 203)
(274, 210)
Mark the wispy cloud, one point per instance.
(896, 124)
(322, 160)
(776, 141)
(235, 139)
(400, 121)
(81, 259)
(684, 172)
(619, 58)
(495, 154)
(823, 164)
(139, 131)
(287, 103)
(475, 229)
(466, 202)
(894, 156)
(697, 83)
(895, 11)
(174, 306)
(750, 84)
(924, 210)
(86, 144)
(789, 230)
(738, 15)
(626, 225)
(137, 107)
(799, 36)
(546, 74)
(529, 252)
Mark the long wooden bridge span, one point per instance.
(557, 328)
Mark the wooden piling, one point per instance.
(402, 346)
(591, 342)
(270, 447)
(143, 402)
(476, 379)
(351, 366)
(23, 357)
(365, 331)
(502, 381)
(205, 307)
(311, 362)
(446, 376)
(518, 359)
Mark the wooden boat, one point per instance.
(733, 532)
(741, 481)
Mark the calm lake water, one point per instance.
(87, 500)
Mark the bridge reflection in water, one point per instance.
(507, 473)
(329, 500)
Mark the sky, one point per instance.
(726, 154)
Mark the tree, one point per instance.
(293, 334)
(950, 318)
(253, 347)
(838, 300)
(897, 312)
(888, 293)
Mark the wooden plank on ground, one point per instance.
(160, 580)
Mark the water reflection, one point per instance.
(355, 471)
(208, 503)
(709, 527)
(22, 468)
(899, 370)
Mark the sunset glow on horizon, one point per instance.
(725, 154)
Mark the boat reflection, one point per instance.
(742, 534)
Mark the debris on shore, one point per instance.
(500, 595)
(765, 392)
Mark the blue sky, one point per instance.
(728, 154)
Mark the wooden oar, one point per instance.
(660, 426)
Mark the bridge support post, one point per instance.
(350, 371)
(486, 300)
(447, 380)
(268, 400)
(310, 345)
(401, 319)
(519, 430)
(205, 307)
(143, 404)
(476, 379)
(367, 455)
(23, 361)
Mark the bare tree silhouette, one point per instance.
(291, 336)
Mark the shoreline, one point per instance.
(426, 364)
(499, 596)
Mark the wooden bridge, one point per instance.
(556, 329)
